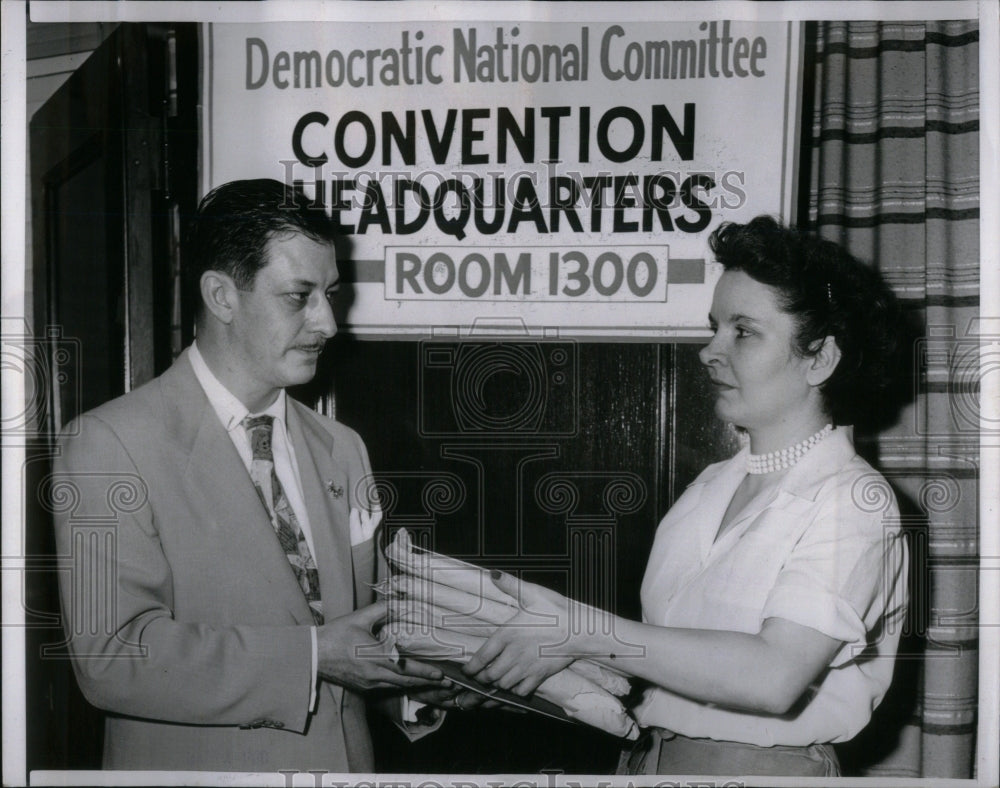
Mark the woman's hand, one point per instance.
(531, 646)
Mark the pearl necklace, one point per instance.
(784, 458)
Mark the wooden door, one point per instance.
(113, 165)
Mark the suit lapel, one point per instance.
(329, 517)
(214, 476)
(325, 491)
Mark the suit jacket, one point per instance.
(183, 617)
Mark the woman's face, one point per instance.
(760, 381)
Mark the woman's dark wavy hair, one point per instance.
(235, 221)
(829, 293)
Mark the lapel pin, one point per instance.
(334, 489)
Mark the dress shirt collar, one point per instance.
(227, 406)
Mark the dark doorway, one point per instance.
(113, 169)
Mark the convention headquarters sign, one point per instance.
(561, 175)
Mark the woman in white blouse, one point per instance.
(775, 587)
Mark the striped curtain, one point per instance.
(894, 176)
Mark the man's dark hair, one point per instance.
(235, 222)
(829, 293)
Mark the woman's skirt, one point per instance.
(663, 752)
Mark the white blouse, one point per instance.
(821, 548)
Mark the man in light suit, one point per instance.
(220, 604)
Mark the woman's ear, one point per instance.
(823, 361)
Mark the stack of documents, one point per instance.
(444, 609)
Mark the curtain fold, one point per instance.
(894, 176)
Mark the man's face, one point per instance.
(280, 325)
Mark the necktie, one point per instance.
(293, 542)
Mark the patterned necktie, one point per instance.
(286, 525)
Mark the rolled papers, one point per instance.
(443, 608)
(443, 570)
(453, 599)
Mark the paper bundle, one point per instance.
(442, 608)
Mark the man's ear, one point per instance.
(823, 361)
(219, 293)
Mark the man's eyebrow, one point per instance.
(302, 283)
(312, 284)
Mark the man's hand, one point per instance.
(454, 696)
(350, 654)
(519, 655)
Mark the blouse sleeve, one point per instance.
(844, 573)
